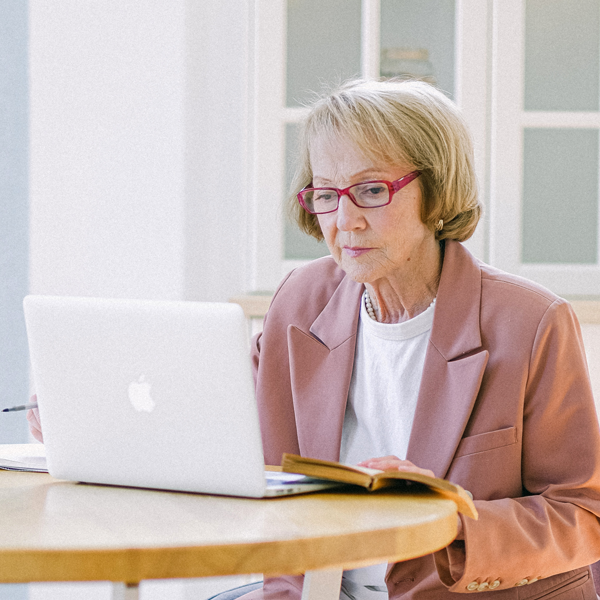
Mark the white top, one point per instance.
(388, 366)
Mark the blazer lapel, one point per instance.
(454, 365)
(321, 362)
(446, 399)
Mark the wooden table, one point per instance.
(54, 530)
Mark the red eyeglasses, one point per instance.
(367, 194)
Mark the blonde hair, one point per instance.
(399, 121)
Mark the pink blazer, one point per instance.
(505, 409)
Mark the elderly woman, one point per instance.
(403, 351)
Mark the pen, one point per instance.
(22, 407)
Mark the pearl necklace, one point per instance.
(371, 311)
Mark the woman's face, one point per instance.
(369, 243)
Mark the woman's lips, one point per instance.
(355, 251)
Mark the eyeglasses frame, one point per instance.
(393, 187)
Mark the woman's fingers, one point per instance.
(35, 426)
(393, 463)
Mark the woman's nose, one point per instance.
(349, 216)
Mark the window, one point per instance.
(546, 119)
(328, 42)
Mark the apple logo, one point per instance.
(139, 395)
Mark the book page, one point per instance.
(23, 457)
(366, 470)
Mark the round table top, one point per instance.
(54, 530)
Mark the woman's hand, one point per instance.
(393, 463)
(35, 426)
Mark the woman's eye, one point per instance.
(324, 196)
(374, 190)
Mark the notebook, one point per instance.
(150, 394)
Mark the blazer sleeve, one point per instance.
(255, 343)
(554, 526)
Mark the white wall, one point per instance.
(217, 130)
(107, 148)
(138, 133)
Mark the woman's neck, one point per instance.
(403, 296)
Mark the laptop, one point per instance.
(150, 394)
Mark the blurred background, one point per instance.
(146, 147)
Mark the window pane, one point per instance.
(562, 54)
(417, 38)
(560, 196)
(323, 45)
(297, 245)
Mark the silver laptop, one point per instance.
(150, 394)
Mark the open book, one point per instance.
(372, 479)
(23, 457)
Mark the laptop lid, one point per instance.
(146, 393)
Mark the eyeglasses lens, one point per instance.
(320, 200)
(367, 195)
(370, 194)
